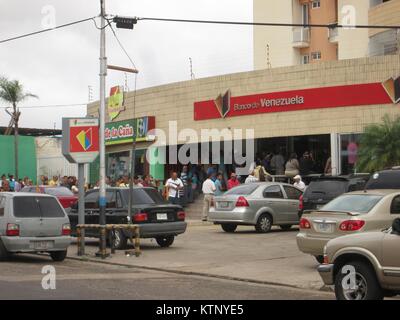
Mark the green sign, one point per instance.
(123, 131)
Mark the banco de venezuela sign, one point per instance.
(226, 106)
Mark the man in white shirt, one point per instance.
(298, 183)
(173, 185)
(251, 178)
(208, 191)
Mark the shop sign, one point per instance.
(123, 131)
(80, 142)
(225, 106)
(116, 102)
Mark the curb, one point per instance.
(200, 274)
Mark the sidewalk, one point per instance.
(206, 250)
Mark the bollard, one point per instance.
(78, 235)
(137, 241)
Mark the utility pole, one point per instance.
(102, 149)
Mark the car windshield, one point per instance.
(327, 188)
(353, 203)
(59, 191)
(143, 196)
(242, 190)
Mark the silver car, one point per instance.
(260, 204)
(32, 223)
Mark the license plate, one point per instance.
(223, 204)
(325, 227)
(162, 216)
(42, 245)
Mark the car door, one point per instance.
(292, 196)
(391, 259)
(391, 248)
(274, 199)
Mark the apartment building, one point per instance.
(286, 46)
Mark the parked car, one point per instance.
(260, 204)
(353, 212)
(63, 194)
(157, 218)
(385, 179)
(323, 189)
(375, 259)
(32, 223)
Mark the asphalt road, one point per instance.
(21, 278)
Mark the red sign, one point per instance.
(318, 98)
(84, 139)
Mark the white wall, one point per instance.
(50, 161)
(279, 39)
(354, 43)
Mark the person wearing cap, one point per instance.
(298, 183)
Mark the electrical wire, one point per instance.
(268, 24)
(50, 106)
(48, 29)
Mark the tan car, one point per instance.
(350, 213)
(364, 266)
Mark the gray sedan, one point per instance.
(261, 204)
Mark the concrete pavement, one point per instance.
(206, 250)
(21, 278)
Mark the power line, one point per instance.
(51, 106)
(268, 24)
(48, 29)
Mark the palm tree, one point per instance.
(380, 146)
(12, 92)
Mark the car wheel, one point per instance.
(229, 227)
(320, 259)
(264, 223)
(165, 242)
(58, 255)
(120, 241)
(366, 286)
(286, 227)
(4, 254)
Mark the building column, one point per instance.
(335, 154)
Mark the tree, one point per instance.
(380, 146)
(12, 92)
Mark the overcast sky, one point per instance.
(59, 65)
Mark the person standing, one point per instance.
(306, 164)
(233, 181)
(219, 190)
(292, 167)
(173, 185)
(208, 191)
(298, 183)
(54, 181)
(251, 178)
(278, 164)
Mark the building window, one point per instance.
(316, 55)
(304, 14)
(305, 59)
(316, 4)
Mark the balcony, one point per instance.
(301, 37)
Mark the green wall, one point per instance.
(26, 156)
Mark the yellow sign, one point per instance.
(115, 102)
